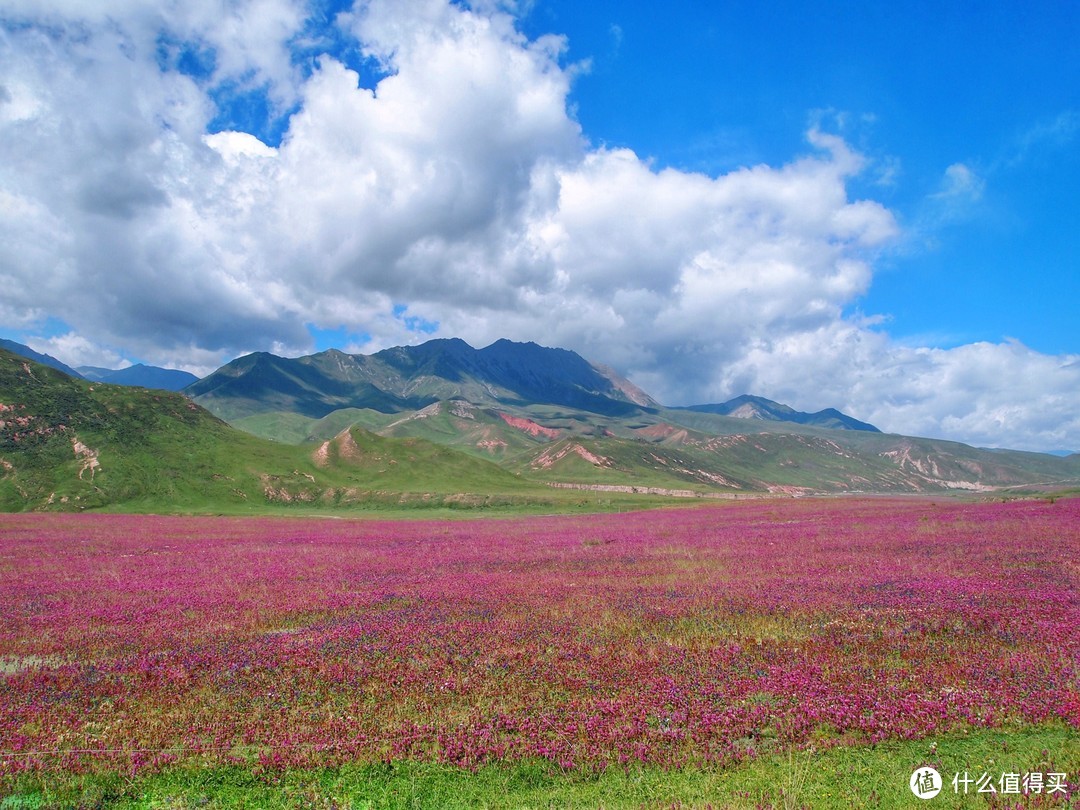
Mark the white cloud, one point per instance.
(1044, 137)
(988, 394)
(235, 146)
(245, 41)
(960, 182)
(76, 350)
(459, 191)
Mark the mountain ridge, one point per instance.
(505, 373)
(412, 377)
(141, 375)
(748, 406)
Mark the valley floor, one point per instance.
(782, 652)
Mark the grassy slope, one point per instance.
(633, 462)
(367, 462)
(277, 426)
(741, 463)
(793, 460)
(295, 428)
(623, 463)
(687, 450)
(864, 460)
(999, 466)
(154, 449)
(480, 432)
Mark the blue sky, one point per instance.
(868, 206)
(915, 86)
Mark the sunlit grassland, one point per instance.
(769, 653)
(874, 776)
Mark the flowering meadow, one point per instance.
(681, 637)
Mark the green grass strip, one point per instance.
(874, 776)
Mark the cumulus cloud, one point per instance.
(987, 394)
(452, 188)
(245, 43)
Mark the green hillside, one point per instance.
(672, 449)
(295, 428)
(482, 432)
(366, 462)
(68, 443)
(768, 462)
(71, 444)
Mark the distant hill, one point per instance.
(164, 379)
(408, 378)
(30, 354)
(751, 407)
(787, 457)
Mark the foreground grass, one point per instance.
(846, 777)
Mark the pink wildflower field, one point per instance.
(675, 637)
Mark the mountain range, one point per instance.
(412, 377)
(445, 424)
(751, 407)
(548, 414)
(166, 379)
